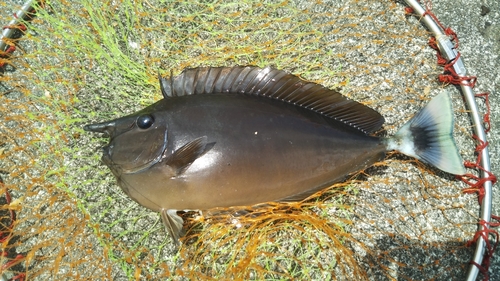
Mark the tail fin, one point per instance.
(428, 136)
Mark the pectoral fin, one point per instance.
(173, 224)
(184, 156)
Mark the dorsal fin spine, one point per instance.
(218, 82)
(286, 90)
(307, 93)
(244, 76)
(262, 88)
(200, 81)
(211, 89)
(246, 87)
(275, 90)
(268, 78)
(195, 80)
(227, 82)
(283, 88)
(237, 80)
(227, 79)
(306, 100)
(258, 79)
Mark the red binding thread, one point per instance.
(409, 10)
(450, 76)
(19, 26)
(485, 233)
(12, 48)
(5, 234)
(476, 183)
(486, 117)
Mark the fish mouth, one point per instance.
(106, 156)
(126, 151)
(119, 169)
(107, 129)
(106, 159)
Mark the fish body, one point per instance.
(242, 136)
(260, 151)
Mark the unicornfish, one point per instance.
(244, 135)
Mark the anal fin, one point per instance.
(173, 224)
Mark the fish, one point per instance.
(244, 135)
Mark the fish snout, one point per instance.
(105, 127)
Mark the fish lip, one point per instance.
(105, 154)
(106, 159)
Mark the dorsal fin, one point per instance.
(276, 84)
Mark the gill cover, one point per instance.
(137, 141)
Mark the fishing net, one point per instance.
(65, 218)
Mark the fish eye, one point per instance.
(145, 121)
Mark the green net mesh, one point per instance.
(85, 61)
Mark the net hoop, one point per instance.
(447, 50)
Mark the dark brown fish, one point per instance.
(231, 136)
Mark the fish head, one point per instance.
(137, 141)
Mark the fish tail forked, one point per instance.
(428, 136)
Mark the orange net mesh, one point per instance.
(92, 60)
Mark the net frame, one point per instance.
(448, 50)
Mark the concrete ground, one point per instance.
(477, 24)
